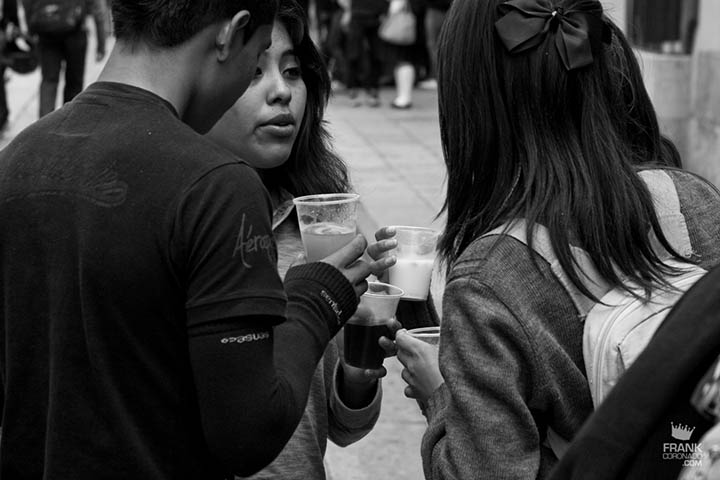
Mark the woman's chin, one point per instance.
(270, 156)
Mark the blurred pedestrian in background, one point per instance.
(333, 18)
(8, 25)
(63, 38)
(364, 51)
(434, 19)
(405, 58)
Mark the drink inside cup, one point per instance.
(327, 222)
(369, 323)
(322, 239)
(429, 335)
(416, 252)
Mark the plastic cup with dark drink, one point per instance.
(327, 222)
(370, 322)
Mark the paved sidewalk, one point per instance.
(396, 165)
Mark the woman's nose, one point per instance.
(280, 90)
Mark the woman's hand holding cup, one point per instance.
(422, 368)
(385, 242)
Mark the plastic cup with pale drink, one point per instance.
(415, 252)
(370, 321)
(327, 222)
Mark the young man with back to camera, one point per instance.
(145, 332)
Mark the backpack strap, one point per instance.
(542, 245)
(673, 224)
(667, 208)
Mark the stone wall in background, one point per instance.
(685, 90)
(668, 79)
(703, 150)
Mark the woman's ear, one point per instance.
(232, 31)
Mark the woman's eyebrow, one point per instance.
(289, 52)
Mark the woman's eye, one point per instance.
(293, 72)
(258, 72)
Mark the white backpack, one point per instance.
(618, 328)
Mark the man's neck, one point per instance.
(163, 72)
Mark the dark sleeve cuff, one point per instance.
(323, 284)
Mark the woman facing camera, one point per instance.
(277, 127)
(545, 123)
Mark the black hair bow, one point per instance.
(578, 29)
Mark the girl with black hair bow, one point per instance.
(544, 118)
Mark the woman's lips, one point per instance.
(277, 130)
(282, 125)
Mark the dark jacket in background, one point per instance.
(9, 13)
(442, 5)
(368, 8)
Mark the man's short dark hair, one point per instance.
(167, 23)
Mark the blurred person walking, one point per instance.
(405, 58)
(434, 19)
(62, 40)
(364, 51)
(8, 25)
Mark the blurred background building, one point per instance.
(678, 43)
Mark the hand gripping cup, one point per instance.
(369, 323)
(328, 222)
(415, 252)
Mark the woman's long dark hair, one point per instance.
(313, 166)
(524, 137)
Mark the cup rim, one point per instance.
(415, 229)
(391, 287)
(324, 199)
(425, 331)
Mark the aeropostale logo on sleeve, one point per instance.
(248, 245)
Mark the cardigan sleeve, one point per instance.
(347, 425)
(479, 423)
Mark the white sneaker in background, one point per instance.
(429, 84)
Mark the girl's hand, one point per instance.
(384, 244)
(387, 343)
(422, 370)
(348, 261)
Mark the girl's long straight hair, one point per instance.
(523, 137)
(313, 166)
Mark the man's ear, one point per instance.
(232, 31)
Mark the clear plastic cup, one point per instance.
(416, 253)
(327, 222)
(370, 322)
(429, 335)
